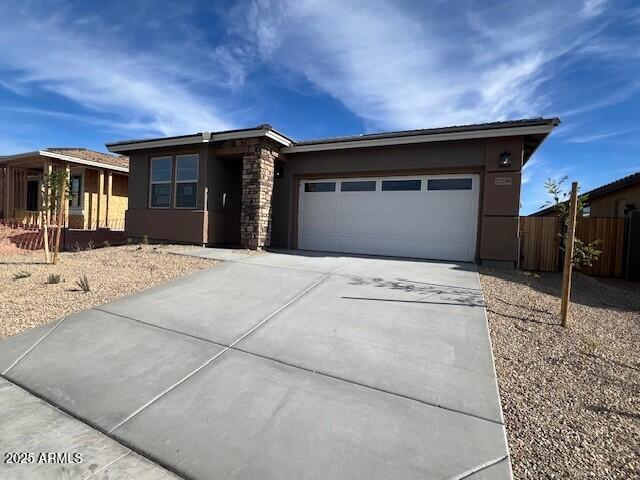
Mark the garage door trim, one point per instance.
(472, 238)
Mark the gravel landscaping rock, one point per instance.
(111, 272)
(571, 397)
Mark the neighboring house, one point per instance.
(99, 185)
(444, 193)
(615, 199)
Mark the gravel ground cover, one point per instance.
(571, 397)
(111, 272)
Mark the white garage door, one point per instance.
(421, 216)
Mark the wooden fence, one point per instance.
(540, 244)
(611, 232)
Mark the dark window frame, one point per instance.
(392, 185)
(449, 184)
(353, 183)
(79, 193)
(177, 182)
(309, 189)
(153, 182)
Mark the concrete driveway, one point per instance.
(283, 366)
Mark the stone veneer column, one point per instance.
(257, 189)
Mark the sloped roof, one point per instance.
(81, 156)
(614, 186)
(93, 156)
(527, 122)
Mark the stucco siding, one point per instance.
(613, 204)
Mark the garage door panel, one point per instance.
(438, 224)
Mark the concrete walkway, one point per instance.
(283, 365)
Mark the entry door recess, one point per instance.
(433, 216)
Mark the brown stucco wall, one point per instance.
(501, 201)
(613, 204)
(170, 224)
(221, 174)
(186, 226)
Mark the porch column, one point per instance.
(109, 193)
(45, 207)
(67, 172)
(100, 205)
(257, 189)
(5, 193)
(9, 191)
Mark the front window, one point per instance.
(160, 182)
(75, 201)
(186, 181)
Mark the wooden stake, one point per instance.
(568, 255)
(46, 207)
(62, 207)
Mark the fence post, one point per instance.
(568, 254)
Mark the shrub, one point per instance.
(53, 279)
(106, 243)
(83, 284)
(90, 245)
(129, 241)
(145, 239)
(22, 274)
(584, 254)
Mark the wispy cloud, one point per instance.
(401, 66)
(98, 71)
(596, 137)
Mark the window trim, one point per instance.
(152, 183)
(176, 181)
(80, 207)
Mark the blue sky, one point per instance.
(77, 73)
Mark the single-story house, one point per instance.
(616, 199)
(443, 193)
(99, 186)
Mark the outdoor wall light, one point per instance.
(279, 170)
(504, 160)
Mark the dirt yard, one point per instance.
(111, 272)
(571, 397)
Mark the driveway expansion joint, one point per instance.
(481, 467)
(364, 385)
(64, 411)
(30, 349)
(226, 349)
(166, 329)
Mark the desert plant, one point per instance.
(129, 241)
(584, 254)
(591, 345)
(20, 275)
(90, 245)
(145, 240)
(53, 279)
(106, 243)
(83, 284)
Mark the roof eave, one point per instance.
(205, 137)
(66, 158)
(544, 129)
